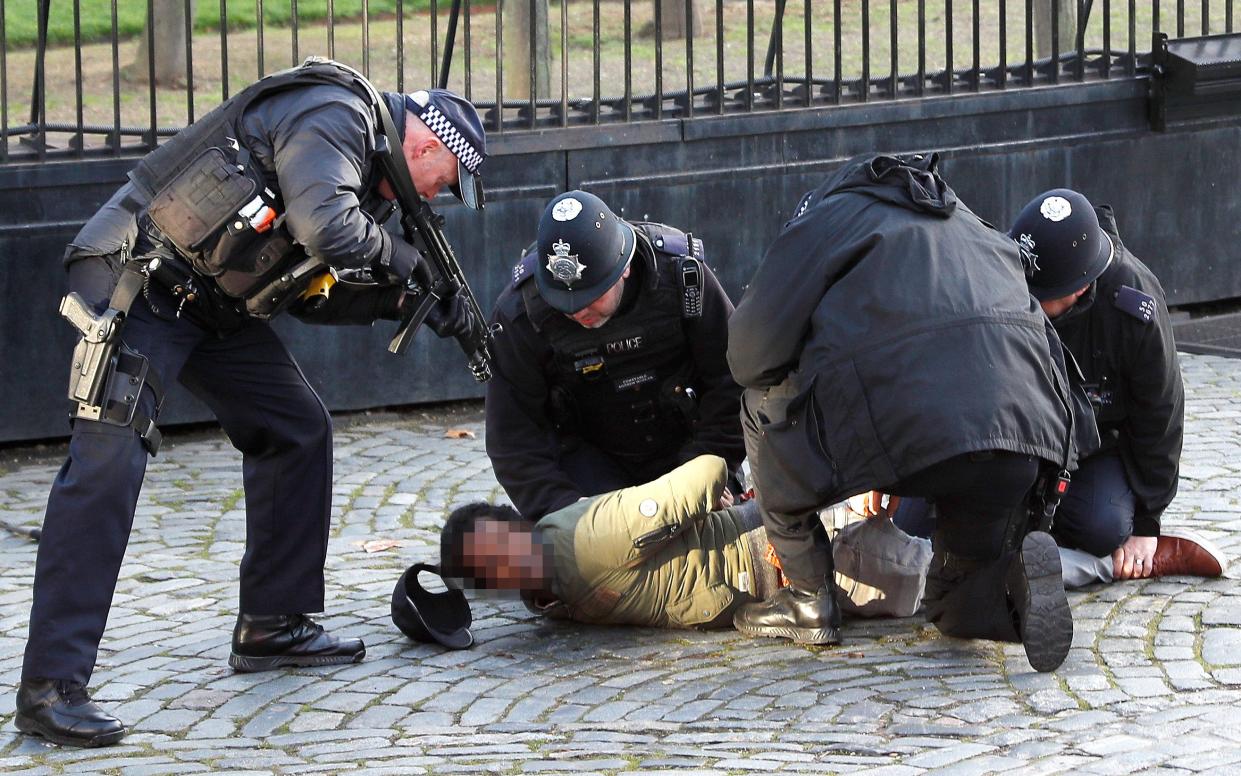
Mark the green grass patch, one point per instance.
(95, 16)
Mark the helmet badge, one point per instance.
(566, 209)
(1055, 208)
(1026, 242)
(563, 265)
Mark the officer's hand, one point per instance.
(450, 317)
(1135, 558)
(871, 504)
(726, 499)
(402, 262)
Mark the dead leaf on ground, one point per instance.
(459, 433)
(379, 545)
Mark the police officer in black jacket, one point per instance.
(610, 369)
(887, 342)
(221, 228)
(1109, 310)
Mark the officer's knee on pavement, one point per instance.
(1107, 529)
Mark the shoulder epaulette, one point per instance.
(667, 239)
(1136, 303)
(524, 269)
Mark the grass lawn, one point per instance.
(21, 23)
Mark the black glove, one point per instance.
(399, 261)
(451, 317)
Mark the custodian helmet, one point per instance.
(1061, 232)
(583, 249)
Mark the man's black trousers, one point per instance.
(263, 402)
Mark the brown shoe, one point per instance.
(1184, 553)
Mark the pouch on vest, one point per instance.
(194, 208)
(251, 260)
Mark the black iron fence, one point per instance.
(98, 77)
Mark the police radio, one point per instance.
(690, 278)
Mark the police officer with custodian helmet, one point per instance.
(220, 229)
(610, 370)
(1109, 310)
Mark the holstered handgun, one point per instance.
(94, 352)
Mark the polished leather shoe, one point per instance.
(1040, 606)
(1186, 554)
(806, 617)
(62, 712)
(265, 642)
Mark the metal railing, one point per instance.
(91, 86)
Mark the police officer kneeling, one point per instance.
(229, 222)
(888, 342)
(610, 370)
(1109, 310)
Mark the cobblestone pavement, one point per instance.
(1150, 685)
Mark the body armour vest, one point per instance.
(627, 386)
(210, 199)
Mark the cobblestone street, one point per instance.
(1150, 685)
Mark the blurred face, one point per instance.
(1054, 308)
(504, 556)
(600, 311)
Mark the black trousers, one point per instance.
(978, 498)
(1096, 515)
(596, 471)
(270, 413)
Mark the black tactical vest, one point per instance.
(625, 387)
(209, 197)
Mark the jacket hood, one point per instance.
(910, 181)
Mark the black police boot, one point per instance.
(1040, 607)
(805, 616)
(62, 712)
(264, 642)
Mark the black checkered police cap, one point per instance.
(456, 123)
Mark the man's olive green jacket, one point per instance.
(654, 554)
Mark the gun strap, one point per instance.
(127, 288)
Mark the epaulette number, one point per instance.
(1136, 303)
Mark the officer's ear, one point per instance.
(425, 148)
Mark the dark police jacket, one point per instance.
(902, 325)
(625, 400)
(1130, 365)
(316, 147)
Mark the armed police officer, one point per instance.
(1109, 310)
(888, 342)
(228, 224)
(611, 367)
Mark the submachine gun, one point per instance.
(423, 230)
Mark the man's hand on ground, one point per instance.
(1135, 558)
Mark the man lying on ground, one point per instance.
(673, 553)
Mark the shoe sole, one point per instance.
(1045, 620)
(247, 664)
(34, 729)
(818, 636)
